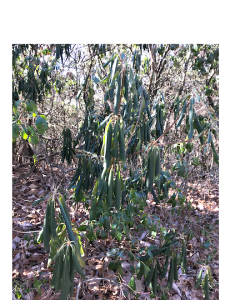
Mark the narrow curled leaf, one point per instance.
(66, 284)
(108, 141)
(40, 236)
(171, 274)
(113, 71)
(110, 188)
(47, 228)
(150, 275)
(117, 96)
(106, 64)
(104, 80)
(199, 279)
(141, 271)
(215, 155)
(101, 125)
(71, 235)
(182, 114)
(57, 274)
(77, 263)
(158, 266)
(154, 281)
(93, 210)
(164, 271)
(122, 144)
(175, 267)
(206, 287)
(118, 191)
(36, 202)
(53, 224)
(198, 127)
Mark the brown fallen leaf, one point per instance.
(36, 257)
(15, 273)
(28, 274)
(33, 186)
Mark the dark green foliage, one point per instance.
(122, 144)
(110, 133)
(110, 188)
(154, 281)
(206, 287)
(108, 140)
(46, 227)
(199, 279)
(117, 96)
(67, 146)
(93, 210)
(118, 189)
(150, 275)
(175, 267)
(151, 168)
(165, 267)
(198, 126)
(116, 133)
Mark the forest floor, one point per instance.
(31, 277)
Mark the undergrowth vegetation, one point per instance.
(137, 120)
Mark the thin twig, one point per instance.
(213, 235)
(91, 257)
(27, 164)
(18, 203)
(46, 156)
(78, 290)
(151, 52)
(172, 143)
(153, 143)
(165, 131)
(197, 176)
(61, 169)
(26, 231)
(66, 171)
(107, 279)
(24, 175)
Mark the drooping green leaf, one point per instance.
(207, 244)
(15, 106)
(111, 59)
(71, 235)
(41, 125)
(199, 279)
(112, 252)
(76, 262)
(104, 80)
(113, 71)
(33, 139)
(15, 131)
(141, 271)
(206, 287)
(82, 227)
(215, 155)
(132, 284)
(181, 115)
(150, 275)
